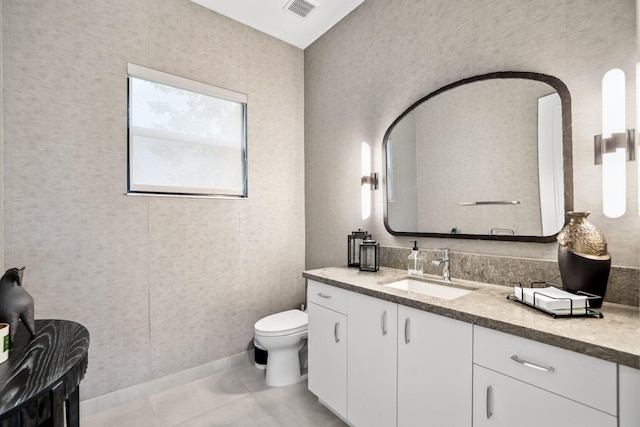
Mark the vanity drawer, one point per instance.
(327, 296)
(585, 379)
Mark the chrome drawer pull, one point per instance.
(532, 365)
(489, 394)
(407, 324)
(321, 295)
(383, 323)
(335, 332)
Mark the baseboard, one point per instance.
(144, 390)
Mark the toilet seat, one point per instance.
(284, 323)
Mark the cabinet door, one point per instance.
(502, 401)
(585, 379)
(328, 357)
(629, 397)
(434, 370)
(372, 361)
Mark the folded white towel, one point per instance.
(553, 299)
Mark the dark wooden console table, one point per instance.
(39, 384)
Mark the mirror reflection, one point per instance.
(482, 158)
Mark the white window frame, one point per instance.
(209, 189)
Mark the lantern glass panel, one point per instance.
(354, 240)
(369, 256)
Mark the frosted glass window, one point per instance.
(185, 137)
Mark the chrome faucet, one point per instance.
(445, 261)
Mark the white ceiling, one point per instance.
(271, 17)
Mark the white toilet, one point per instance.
(282, 335)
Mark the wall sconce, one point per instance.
(615, 146)
(371, 179)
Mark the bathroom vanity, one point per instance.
(387, 355)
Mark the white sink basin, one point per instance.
(429, 288)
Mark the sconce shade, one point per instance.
(613, 103)
(614, 140)
(614, 189)
(365, 168)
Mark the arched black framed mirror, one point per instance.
(488, 157)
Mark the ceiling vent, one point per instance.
(301, 8)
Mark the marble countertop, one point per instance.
(615, 337)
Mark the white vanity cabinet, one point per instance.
(377, 363)
(629, 396)
(434, 369)
(525, 383)
(372, 361)
(327, 306)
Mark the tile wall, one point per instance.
(163, 284)
(386, 55)
(623, 286)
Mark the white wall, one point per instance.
(162, 284)
(386, 55)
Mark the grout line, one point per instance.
(144, 390)
(271, 404)
(149, 280)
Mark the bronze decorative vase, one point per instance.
(583, 258)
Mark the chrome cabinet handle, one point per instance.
(532, 365)
(336, 336)
(489, 398)
(407, 324)
(383, 322)
(321, 295)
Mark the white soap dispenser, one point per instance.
(415, 263)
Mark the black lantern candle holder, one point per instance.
(369, 255)
(353, 249)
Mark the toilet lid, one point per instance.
(285, 323)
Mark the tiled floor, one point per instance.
(237, 397)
